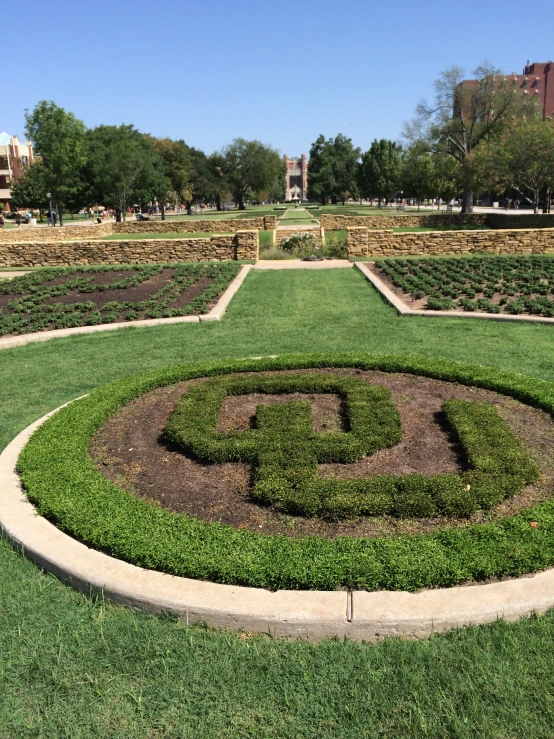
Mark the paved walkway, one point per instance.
(9, 275)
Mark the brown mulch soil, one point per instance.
(421, 303)
(143, 291)
(129, 450)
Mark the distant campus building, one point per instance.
(296, 178)
(13, 157)
(536, 82)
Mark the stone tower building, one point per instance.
(296, 178)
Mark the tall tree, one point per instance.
(419, 175)
(250, 166)
(463, 114)
(521, 159)
(59, 139)
(380, 171)
(122, 166)
(333, 169)
(176, 170)
(29, 189)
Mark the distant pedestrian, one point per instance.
(2, 221)
(18, 220)
(516, 204)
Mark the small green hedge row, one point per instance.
(286, 450)
(32, 310)
(62, 481)
(471, 283)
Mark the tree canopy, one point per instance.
(333, 169)
(522, 159)
(59, 139)
(250, 166)
(380, 170)
(463, 114)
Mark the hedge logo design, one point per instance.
(285, 450)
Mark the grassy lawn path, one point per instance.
(79, 668)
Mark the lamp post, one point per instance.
(49, 196)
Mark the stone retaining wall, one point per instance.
(365, 242)
(494, 220)
(242, 245)
(333, 222)
(66, 233)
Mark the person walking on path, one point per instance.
(18, 220)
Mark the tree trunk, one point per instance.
(60, 213)
(546, 205)
(467, 201)
(536, 202)
(218, 201)
(188, 204)
(162, 208)
(241, 203)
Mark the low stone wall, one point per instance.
(332, 222)
(527, 220)
(260, 223)
(494, 220)
(242, 245)
(365, 242)
(53, 235)
(91, 231)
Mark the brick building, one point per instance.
(13, 157)
(536, 83)
(296, 178)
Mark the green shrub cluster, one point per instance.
(32, 310)
(62, 481)
(286, 450)
(519, 284)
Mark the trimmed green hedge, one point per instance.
(60, 478)
(286, 451)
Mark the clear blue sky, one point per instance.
(282, 72)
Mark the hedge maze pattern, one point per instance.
(285, 450)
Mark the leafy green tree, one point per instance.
(218, 189)
(464, 114)
(333, 169)
(380, 171)
(29, 189)
(419, 175)
(122, 166)
(521, 159)
(250, 166)
(59, 139)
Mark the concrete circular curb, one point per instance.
(216, 314)
(312, 615)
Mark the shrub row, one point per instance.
(60, 478)
(33, 311)
(286, 450)
(472, 282)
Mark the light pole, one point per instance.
(49, 196)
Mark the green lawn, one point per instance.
(78, 668)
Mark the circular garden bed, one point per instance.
(315, 471)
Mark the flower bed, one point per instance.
(504, 284)
(87, 296)
(61, 479)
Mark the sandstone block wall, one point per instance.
(242, 245)
(364, 242)
(333, 222)
(494, 220)
(528, 220)
(91, 231)
(52, 235)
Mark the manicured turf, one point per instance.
(72, 667)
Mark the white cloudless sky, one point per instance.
(282, 72)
